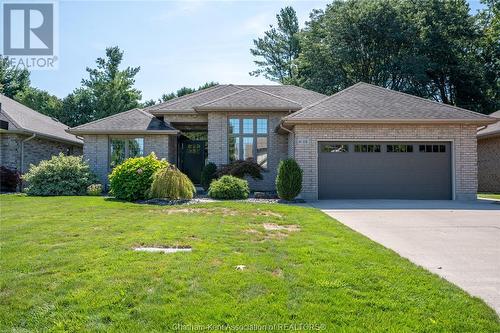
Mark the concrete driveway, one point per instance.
(459, 241)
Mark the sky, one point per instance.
(176, 43)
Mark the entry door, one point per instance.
(193, 159)
(384, 170)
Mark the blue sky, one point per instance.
(175, 43)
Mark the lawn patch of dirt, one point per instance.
(274, 227)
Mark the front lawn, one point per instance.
(67, 265)
(489, 195)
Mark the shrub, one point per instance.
(132, 179)
(208, 174)
(171, 183)
(94, 190)
(61, 175)
(228, 187)
(9, 179)
(241, 169)
(289, 179)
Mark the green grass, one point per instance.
(67, 265)
(489, 195)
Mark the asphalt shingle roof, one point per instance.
(364, 101)
(135, 120)
(188, 103)
(493, 129)
(250, 99)
(24, 118)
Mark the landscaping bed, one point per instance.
(69, 264)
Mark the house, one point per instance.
(488, 157)
(363, 142)
(28, 137)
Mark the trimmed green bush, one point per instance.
(241, 169)
(94, 190)
(171, 183)
(228, 187)
(61, 175)
(132, 179)
(208, 174)
(289, 179)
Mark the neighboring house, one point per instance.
(28, 137)
(363, 142)
(488, 157)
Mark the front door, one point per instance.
(192, 159)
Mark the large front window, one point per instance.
(121, 149)
(247, 138)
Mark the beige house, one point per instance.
(28, 137)
(363, 142)
(488, 157)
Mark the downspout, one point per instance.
(285, 129)
(22, 151)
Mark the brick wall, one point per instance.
(463, 137)
(96, 151)
(277, 144)
(35, 150)
(488, 154)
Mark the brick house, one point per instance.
(28, 137)
(363, 142)
(488, 157)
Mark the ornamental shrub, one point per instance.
(171, 183)
(94, 190)
(208, 174)
(241, 169)
(228, 187)
(61, 175)
(9, 179)
(132, 179)
(289, 179)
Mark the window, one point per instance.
(335, 148)
(367, 148)
(432, 148)
(247, 139)
(121, 149)
(400, 148)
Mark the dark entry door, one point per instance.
(384, 170)
(193, 159)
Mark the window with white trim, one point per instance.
(248, 139)
(121, 149)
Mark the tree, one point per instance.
(429, 48)
(488, 21)
(12, 78)
(185, 91)
(354, 41)
(112, 89)
(78, 108)
(279, 49)
(40, 101)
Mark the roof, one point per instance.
(30, 121)
(135, 121)
(491, 130)
(250, 99)
(189, 103)
(364, 102)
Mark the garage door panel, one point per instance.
(395, 175)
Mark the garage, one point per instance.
(384, 170)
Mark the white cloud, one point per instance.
(179, 8)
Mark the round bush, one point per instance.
(94, 190)
(61, 175)
(208, 174)
(228, 187)
(132, 179)
(170, 183)
(289, 179)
